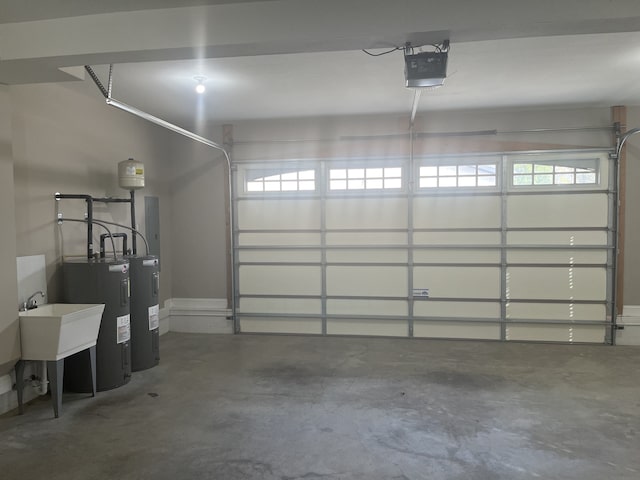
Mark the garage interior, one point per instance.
(360, 279)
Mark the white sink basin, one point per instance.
(57, 330)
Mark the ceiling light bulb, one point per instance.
(200, 79)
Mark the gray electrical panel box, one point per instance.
(152, 225)
(100, 281)
(145, 311)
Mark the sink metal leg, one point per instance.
(92, 357)
(19, 368)
(55, 369)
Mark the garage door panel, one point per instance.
(556, 311)
(367, 281)
(571, 210)
(396, 308)
(366, 213)
(574, 257)
(428, 308)
(376, 327)
(310, 326)
(556, 333)
(366, 238)
(457, 212)
(566, 237)
(246, 239)
(284, 256)
(465, 330)
(456, 238)
(556, 283)
(458, 282)
(286, 306)
(367, 256)
(281, 214)
(280, 280)
(441, 255)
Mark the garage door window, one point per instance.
(555, 172)
(452, 175)
(292, 181)
(369, 178)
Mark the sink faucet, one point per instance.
(30, 304)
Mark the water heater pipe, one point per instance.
(90, 222)
(115, 235)
(131, 200)
(134, 245)
(146, 244)
(44, 381)
(96, 222)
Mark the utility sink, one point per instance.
(54, 331)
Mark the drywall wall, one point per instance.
(9, 331)
(378, 136)
(632, 217)
(199, 238)
(66, 139)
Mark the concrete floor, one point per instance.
(286, 408)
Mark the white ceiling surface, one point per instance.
(510, 53)
(531, 72)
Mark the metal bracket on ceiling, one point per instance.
(414, 108)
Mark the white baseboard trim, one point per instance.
(165, 320)
(629, 324)
(198, 315)
(631, 311)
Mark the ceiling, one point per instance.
(566, 56)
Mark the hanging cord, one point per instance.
(96, 222)
(382, 53)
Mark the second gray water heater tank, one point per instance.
(100, 281)
(145, 331)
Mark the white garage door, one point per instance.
(499, 247)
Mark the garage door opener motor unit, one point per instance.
(426, 69)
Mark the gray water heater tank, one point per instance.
(100, 281)
(145, 310)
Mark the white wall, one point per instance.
(66, 139)
(632, 218)
(198, 216)
(9, 333)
